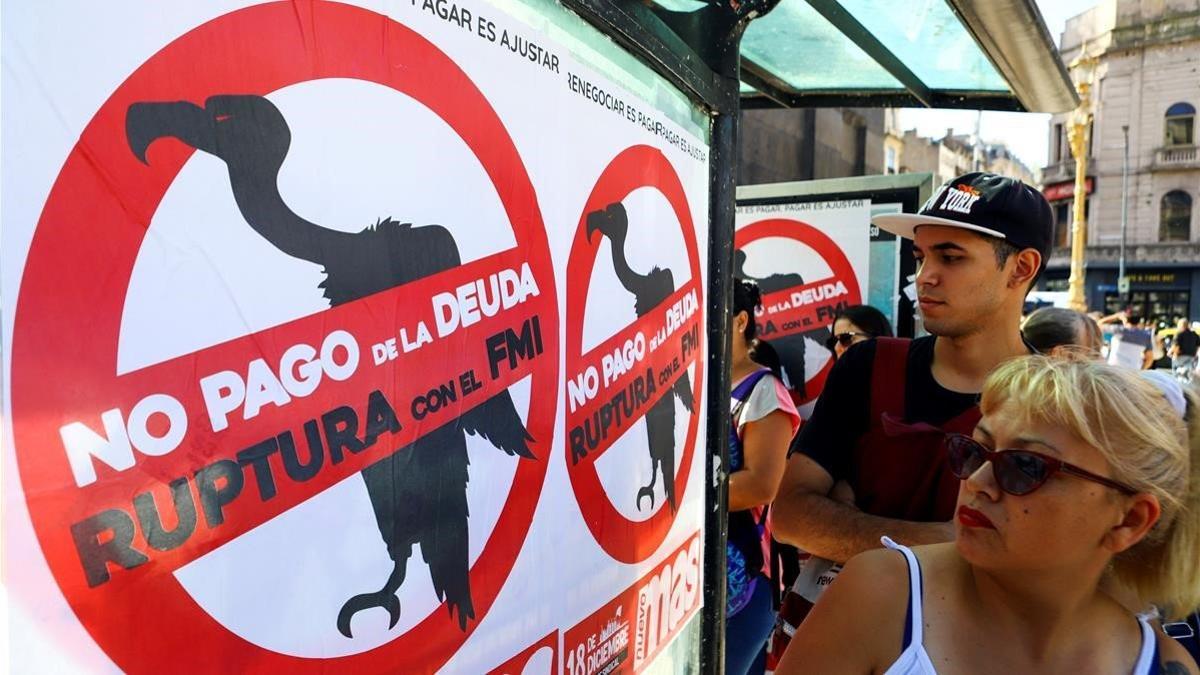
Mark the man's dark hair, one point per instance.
(746, 298)
(1005, 250)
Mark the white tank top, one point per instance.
(914, 660)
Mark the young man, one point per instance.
(1131, 346)
(980, 242)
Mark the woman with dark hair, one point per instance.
(855, 324)
(764, 421)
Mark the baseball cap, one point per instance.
(993, 205)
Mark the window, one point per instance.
(1160, 308)
(1062, 224)
(1175, 217)
(860, 151)
(889, 162)
(1180, 125)
(1058, 142)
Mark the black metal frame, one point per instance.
(640, 31)
(698, 52)
(772, 95)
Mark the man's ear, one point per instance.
(1027, 263)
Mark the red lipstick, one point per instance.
(969, 517)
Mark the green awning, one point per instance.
(978, 54)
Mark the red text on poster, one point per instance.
(628, 632)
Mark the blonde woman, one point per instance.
(1078, 473)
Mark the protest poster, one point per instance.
(810, 259)
(286, 302)
(884, 282)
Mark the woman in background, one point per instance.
(764, 421)
(855, 324)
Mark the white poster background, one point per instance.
(191, 288)
(846, 222)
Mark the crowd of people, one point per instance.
(1006, 494)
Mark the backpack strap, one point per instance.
(742, 391)
(889, 374)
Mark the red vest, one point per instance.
(899, 469)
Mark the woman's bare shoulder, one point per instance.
(937, 559)
(864, 607)
(876, 582)
(1173, 658)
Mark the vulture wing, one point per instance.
(497, 421)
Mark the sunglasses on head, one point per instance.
(1017, 472)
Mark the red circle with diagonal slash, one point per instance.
(830, 252)
(68, 320)
(636, 167)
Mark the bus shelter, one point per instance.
(390, 336)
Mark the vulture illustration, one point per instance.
(649, 290)
(791, 348)
(418, 492)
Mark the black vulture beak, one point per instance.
(612, 221)
(188, 122)
(595, 222)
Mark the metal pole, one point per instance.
(1078, 133)
(1079, 144)
(720, 292)
(1124, 213)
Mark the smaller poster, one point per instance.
(884, 283)
(811, 260)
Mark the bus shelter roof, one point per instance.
(975, 54)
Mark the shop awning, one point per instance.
(976, 54)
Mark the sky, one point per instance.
(1026, 134)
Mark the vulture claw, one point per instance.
(647, 491)
(386, 600)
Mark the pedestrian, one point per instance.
(1131, 346)
(1183, 351)
(764, 421)
(980, 243)
(855, 324)
(1056, 330)
(1077, 472)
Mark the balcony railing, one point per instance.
(1177, 157)
(1158, 253)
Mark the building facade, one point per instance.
(1146, 82)
(779, 145)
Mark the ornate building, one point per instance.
(1147, 78)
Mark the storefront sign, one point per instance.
(1066, 190)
